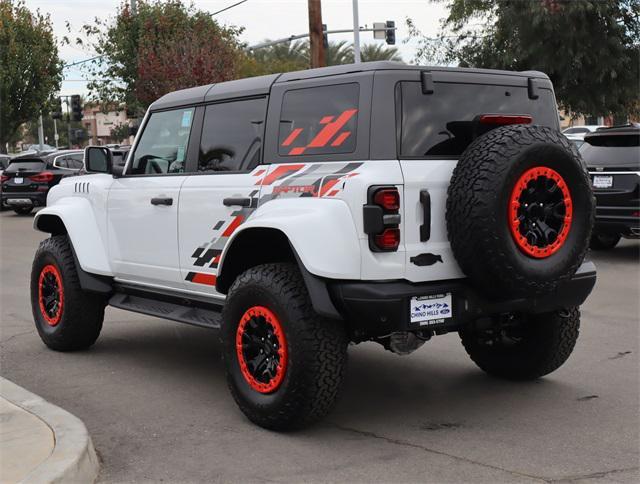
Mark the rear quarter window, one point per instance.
(319, 120)
(442, 123)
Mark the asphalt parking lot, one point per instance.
(153, 396)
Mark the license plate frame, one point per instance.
(19, 201)
(602, 181)
(432, 309)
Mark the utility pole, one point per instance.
(134, 8)
(40, 133)
(55, 131)
(356, 33)
(318, 58)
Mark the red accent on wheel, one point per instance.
(51, 294)
(540, 212)
(260, 342)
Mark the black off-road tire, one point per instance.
(604, 241)
(317, 349)
(23, 210)
(82, 313)
(478, 200)
(543, 342)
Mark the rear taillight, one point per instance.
(3, 178)
(388, 199)
(381, 216)
(505, 119)
(389, 239)
(44, 177)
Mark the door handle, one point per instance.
(240, 201)
(162, 201)
(425, 228)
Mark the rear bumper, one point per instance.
(622, 220)
(375, 309)
(38, 199)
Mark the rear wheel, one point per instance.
(67, 318)
(26, 210)
(284, 363)
(604, 241)
(524, 347)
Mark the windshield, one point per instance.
(612, 151)
(25, 165)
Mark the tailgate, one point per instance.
(432, 259)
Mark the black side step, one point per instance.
(198, 316)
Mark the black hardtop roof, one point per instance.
(261, 85)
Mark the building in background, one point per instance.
(106, 127)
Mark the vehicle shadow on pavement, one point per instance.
(626, 251)
(423, 388)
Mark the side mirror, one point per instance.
(97, 159)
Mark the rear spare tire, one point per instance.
(520, 211)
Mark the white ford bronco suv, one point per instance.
(301, 212)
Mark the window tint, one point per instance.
(232, 135)
(444, 123)
(319, 120)
(27, 165)
(163, 145)
(612, 151)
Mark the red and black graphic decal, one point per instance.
(325, 136)
(201, 278)
(294, 180)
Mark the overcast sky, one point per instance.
(262, 19)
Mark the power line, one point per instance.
(227, 8)
(83, 61)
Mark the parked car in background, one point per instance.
(4, 163)
(612, 156)
(28, 178)
(578, 132)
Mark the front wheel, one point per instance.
(526, 346)
(67, 318)
(284, 363)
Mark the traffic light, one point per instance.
(56, 108)
(325, 36)
(390, 36)
(76, 108)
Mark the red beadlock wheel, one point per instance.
(261, 348)
(540, 212)
(51, 294)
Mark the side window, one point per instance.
(232, 135)
(61, 163)
(163, 145)
(319, 120)
(76, 162)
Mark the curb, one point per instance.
(73, 458)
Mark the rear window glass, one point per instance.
(19, 165)
(614, 150)
(319, 120)
(442, 123)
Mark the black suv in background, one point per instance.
(612, 156)
(28, 178)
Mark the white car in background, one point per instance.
(576, 133)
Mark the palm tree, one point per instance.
(339, 53)
(378, 52)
